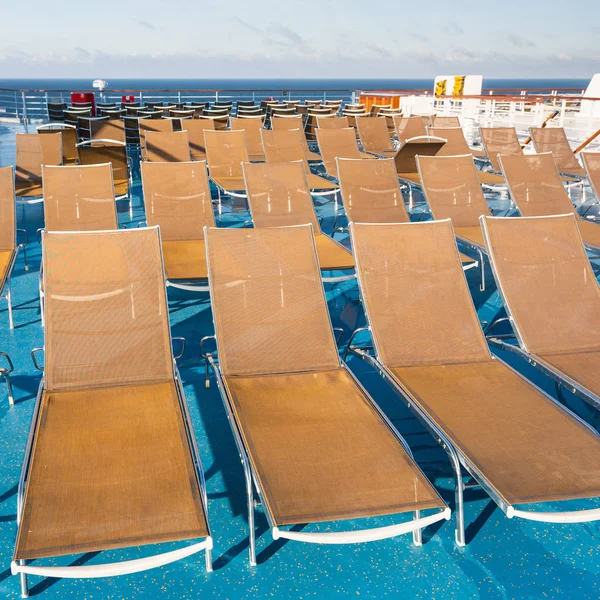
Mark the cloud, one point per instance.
(82, 53)
(520, 42)
(453, 27)
(277, 35)
(147, 25)
(379, 51)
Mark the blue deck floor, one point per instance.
(503, 559)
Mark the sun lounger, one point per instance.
(517, 443)
(551, 297)
(278, 196)
(285, 145)
(332, 122)
(225, 153)
(167, 146)
(195, 130)
(9, 248)
(253, 128)
(156, 125)
(453, 191)
(409, 127)
(338, 143)
(98, 152)
(69, 140)
(406, 156)
(554, 140)
(33, 151)
(375, 137)
(591, 164)
(177, 198)
(445, 122)
(295, 122)
(107, 129)
(128, 471)
(311, 440)
(537, 190)
(456, 144)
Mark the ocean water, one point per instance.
(279, 84)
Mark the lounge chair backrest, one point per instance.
(195, 129)
(337, 143)
(374, 134)
(415, 294)
(161, 125)
(268, 303)
(332, 122)
(371, 191)
(108, 287)
(177, 198)
(7, 209)
(69, 138)
(546, 280)
(535, 185)
(225, 152)
(79, 198)
(452, 189)
(406, 156)
(500, 140)
(167, 146)
(455, 145)
(591, 163)
(409, 127)
(444, 122)
(278, 194)
(253, 128)
(99, 154)
(35, 150)
(295, 122)
(284, 145)
(554, 140)
(111, 129)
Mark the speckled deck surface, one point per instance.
(503, 559)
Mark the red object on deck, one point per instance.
(127, 99)
(79, 98)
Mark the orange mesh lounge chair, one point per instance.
(167, 146)
(279, 196)
(518, 444)
(551, 297)
(311, 440)
(98, 152)
(591, 163)
(107, 355)
(444, 122)
(537, 190)
(409, 127)
(9, 249)
(33, 151)
(159, 125)
(79, 198)
(371, 194)
(253, 128)
(406, 157)
(500, 141)
(338, 143)
(554, 140)
(375, 137)
(111, 129)
(177, 198)
(453, 191)
(69, 140)
(225, 153)
(195, 130)
(285, 145)
(295, 122)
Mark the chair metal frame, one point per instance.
(5, 372)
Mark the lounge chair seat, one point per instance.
(320, 450)
(133, 485)
(590, 232)
(578, 366)
(29, 189)
(498, 421)
(230, 184)
(487, 178)
(6, 257)
(332, 255)
(315, 182)
(471, 234)
(410, 177)
(312, 156)
(185, 259)
(256, 157)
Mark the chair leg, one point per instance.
(9, 390)
(252, 532)
(208, 558)
(10, 308)
(460, 509)
(24, 251)
(482, 263)
(417, 533)
(24, 583)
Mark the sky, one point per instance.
(299, 39)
